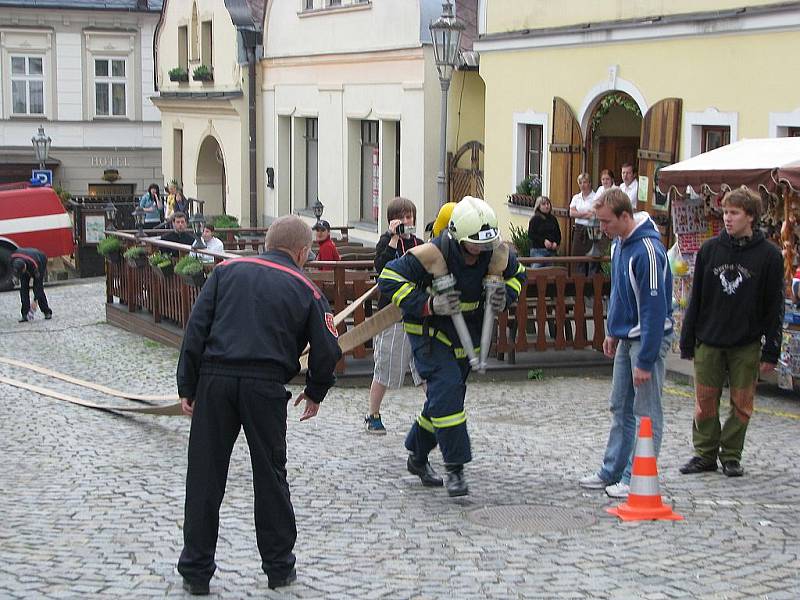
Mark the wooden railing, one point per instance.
(556, 310)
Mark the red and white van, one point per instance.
(32, 217)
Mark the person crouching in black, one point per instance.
(30, 263)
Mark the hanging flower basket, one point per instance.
(136, 256)
(114, 256)
(194, 280)
(162, 271)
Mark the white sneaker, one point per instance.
(618, 490)
(592, 482)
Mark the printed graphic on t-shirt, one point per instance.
(731, 277)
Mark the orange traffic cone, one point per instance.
(644, 500)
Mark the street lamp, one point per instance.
(318, 209)
(41, 146)
(111, 213)
(446, 36)
(138, 218)
(198, 223)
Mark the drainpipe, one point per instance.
(250, 39)
(251, 123)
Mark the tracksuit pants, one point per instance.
(227, 401)
(442, 419)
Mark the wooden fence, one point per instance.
(557, 309)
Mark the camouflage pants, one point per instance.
(711, 367)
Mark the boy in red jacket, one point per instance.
(327, 249)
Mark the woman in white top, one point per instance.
(606, 182)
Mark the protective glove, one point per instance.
(448, 303)
(497, 299)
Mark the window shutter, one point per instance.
(658, 145)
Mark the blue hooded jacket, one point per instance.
(640, 307)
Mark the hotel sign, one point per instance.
(109, 161)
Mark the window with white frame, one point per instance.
(312, 162)
(370, 171)
(533, 150)
(110, 87)
(529, 145)
(27, 85)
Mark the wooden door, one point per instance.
(615, 151)
(658, 148)
(566, 156)
(465, 181)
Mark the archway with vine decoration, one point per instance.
(612, 135)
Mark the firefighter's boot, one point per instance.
(456, 484)
(424, 471)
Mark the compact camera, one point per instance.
(406, 229)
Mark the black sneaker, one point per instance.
(23, 320)
(288, 580)
(196, 588)
(698, 464)
(48, 316)
(732, 468)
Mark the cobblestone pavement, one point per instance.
(91, 502)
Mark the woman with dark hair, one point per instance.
(153, 206)
(543, 230)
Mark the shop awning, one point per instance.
(759, 164)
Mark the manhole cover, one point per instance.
(531, 518)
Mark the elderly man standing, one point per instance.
(239, 351)
(638, 338)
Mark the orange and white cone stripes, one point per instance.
(644, 500)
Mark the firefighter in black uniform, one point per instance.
(242, 344)
(467, 247)
(30, 263)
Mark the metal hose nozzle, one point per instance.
(490, 284)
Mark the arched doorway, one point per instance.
(210, 177)
(613, 135)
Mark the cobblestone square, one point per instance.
(92, 502)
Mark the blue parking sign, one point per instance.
(43, 175)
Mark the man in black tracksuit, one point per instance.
(30, 263)
(737, 298)
(242, 344)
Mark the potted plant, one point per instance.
(528, 190)
(111, 248)
(203, 73)
(136, 256)
(178, 74)
(161, 265)
(190, 269)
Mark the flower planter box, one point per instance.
(137, 262)
(163, 273)
(196, 280)
(114, 257)
(521, 200)
(182, 77)
(207, 77)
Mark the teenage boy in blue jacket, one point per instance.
(638, 337)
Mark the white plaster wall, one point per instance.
(69, 76)
(336, 108)
(227, 130)
(380, 25)
(227, 74)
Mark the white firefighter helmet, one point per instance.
(474, 221)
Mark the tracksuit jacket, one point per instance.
(640, 307)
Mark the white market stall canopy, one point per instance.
(760, 164)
